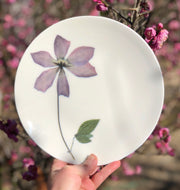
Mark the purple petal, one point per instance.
(81, 55)
(43, 58)
(86, 70)
(61, 47)
(62, 85)
(45, 80)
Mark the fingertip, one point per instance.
(116, 164)
(90, 164)
(90, 159)
(57, 165)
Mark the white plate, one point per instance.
(123, 89)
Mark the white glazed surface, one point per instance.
(126, 95)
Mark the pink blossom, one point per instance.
(174, 25)
(150, 33)
(127, 169)
(25, 149)
(163, 35)
(160, 26)
(177, 46)
(164, 107)
(171, 152)
(14, 158)
(13, 63)
(8, 18)
(31, 142)
(21, 22)
(11, 48)
(164, 135)
(100, 5)
(6, 97)
(9, 22)
(10, 1)
(156, 130)
(28, 162)
(165, 148)
(138, 169)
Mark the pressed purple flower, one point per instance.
(77, 63)
(31, 174)
(10, 128)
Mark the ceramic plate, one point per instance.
(89, 85)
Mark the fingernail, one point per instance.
(90, 158)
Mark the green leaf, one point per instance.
(84, 138)
(87, 127)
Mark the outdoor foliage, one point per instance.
(22, 164)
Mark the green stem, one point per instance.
(72, 143)
(60, 129)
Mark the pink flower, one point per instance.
(14, 156)
(160, 26)
(171, 152)
(129, 171)
(11, 48)
(31, 142)
(13, 63)
(174, 25)
(25, 149)
(163, 35)
(9, 22)
(21, 22)
(138, 169)
(6, 97)
(165, 148)
(100, 5)
(150, 33)
(28, 162)
(177, 46)
(164, 135)
(10, 1)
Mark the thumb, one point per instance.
(88, 167)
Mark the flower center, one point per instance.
(62, 63)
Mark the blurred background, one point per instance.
(156, 164)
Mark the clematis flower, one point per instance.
(77, 63)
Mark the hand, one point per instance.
(80, 177)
